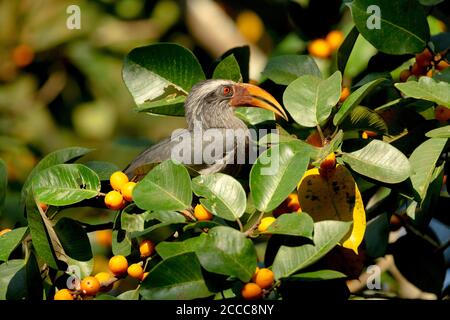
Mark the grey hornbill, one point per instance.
(209, 105)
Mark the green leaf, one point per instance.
(56, 157)
(427, 89)
(165, 216)
(170, 249)
(3, 183)
(224, 250)
(254, 116)
(38, 231)
(166, 187)
(377, 235)
(20, 280)
(10, 241)
(121, 244)
(363, 118)
(228, 69)
(423, 162)
(221, 194)
(353, 100)
(65, 184)
(319, 275)
(76, 244)
(286, 68)
(275, 174)
(346, 48)
(292, 259)
(162, 75)
(380, 161)
(430, 2)
(309, 99)
(293, 224)
(103, 169)
(129, 295)
(132, 222)
(403, 25)
(443, 132)
(176, 278)
(242, 56)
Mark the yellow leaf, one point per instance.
(334, 198)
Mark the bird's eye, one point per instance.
(226, 91)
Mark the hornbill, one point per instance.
(209, 105)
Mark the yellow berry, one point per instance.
(251, 291)
(90, 286)
(334, 39)
(250, 25)
(127, 190)
(144, 276)
(104, 237)
(117, 180)
(118, 265)
(114, 200)
(146, 248)
(103, 277)
(265, 223)
(264, 278)
(319, 48)
(135, 271)
(201, 214)
(63, 294)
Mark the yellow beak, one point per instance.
(253, 96)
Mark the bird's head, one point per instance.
(211, 102)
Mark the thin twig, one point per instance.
(254, 226)
(322, 137)
(241, 227)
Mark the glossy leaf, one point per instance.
(346, 48)
(327, 234)
(65, 184)
(293, 224)
(276, 173)
(166, 187)
(363, 118)
(443, 132)
(228, 69)
(402, 28)
(10, 241)
(103, 169)
(319, 275)
(423, 162)
(354, 99)
(427, 89)
(309, 99)
(224, 250)
(222, 195)
(54, 158)
(176, 278)
(286, 68)
(160, 76)
(254, 116)
(381, 161)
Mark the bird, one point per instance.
(209, 107)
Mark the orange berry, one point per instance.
(314, 139)
(429, 73)
(250, 25)
(146, 248)
(344, 94)
(127, 190)
(251, 291)
(265, 223)
(43, 206)
(4, 231)
(104, 237)
(63, 294)
(114, 200)
(442, 65)
(90, 286)
(135, 271)
(103, 278)
(404, 75)
(118, 265)
(334, 39)
(264, 278)
(22, 55)
(117, 180)
(442, 113)
(201, 214)
(366, 134)
(319, 48)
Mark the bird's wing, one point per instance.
(184, 148)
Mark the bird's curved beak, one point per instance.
(250, 95)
